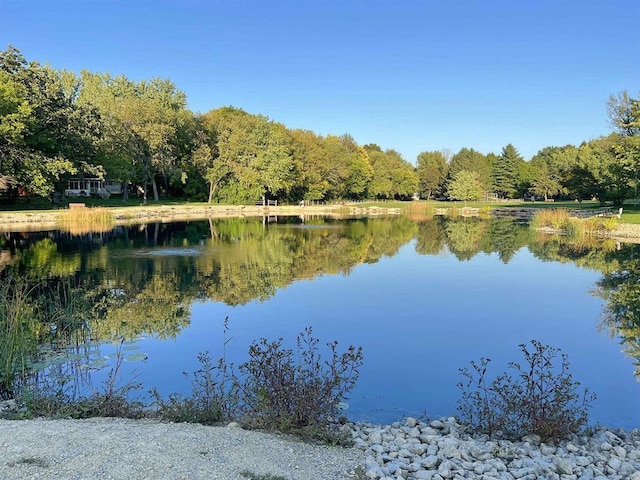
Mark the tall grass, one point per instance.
(574, 228)
(80, 221)
(17, 333)
(419, 211)
(555, 218)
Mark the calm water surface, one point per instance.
(422, 299)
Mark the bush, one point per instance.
(541, 399)
(575, 228)
(281, 393)
(276, 389)
(211, 402)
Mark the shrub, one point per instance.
(281, 393)
(541, 399)
(211, 402)
(276, 389)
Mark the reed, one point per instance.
(597, 224)
(555, 218)
(575, 229)
(17, 336)
(419, 211)
(80, 221)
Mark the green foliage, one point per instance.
(393, 176)
(466, 186)
(17, 333)
(470, 160)
(505, 172)
(431, 170)
(546, 183)
(541, 398)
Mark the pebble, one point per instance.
(441, 450)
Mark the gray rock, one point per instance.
(424, 475)
(547, 449)
(437, 424)
(430, 462)
(375, 437)
(564, 466)
(411, 422)
(614, 463)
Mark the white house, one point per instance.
(87, 187)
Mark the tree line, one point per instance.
(56, 124)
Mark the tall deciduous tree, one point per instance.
(257, 152)
(47, 133)
(466, 186)
(546, 183)
(142, 127)
(393, 176)
(469, 159)
(624, 115)
(432, 171)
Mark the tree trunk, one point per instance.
(125, 192)
(156, 197)
(145, 185)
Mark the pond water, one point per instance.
(423, 299)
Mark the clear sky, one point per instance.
(410, 75)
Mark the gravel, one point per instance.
(105, 448)
(409, 450)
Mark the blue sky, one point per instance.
(408, 75)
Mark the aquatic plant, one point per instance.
(17, 332)
(80, 221)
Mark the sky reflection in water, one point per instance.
(419, 319)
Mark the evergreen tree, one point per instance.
(505, 172)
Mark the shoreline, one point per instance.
(33, 221)
(48, 219)
(409, 450)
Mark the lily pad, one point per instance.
(136, 357)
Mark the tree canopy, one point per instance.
(56, 124)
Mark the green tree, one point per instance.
(505, 172)
(359, 168)
(545, 183)
(471, 160)
(624, 115)
(466, 186)
(47, 134)
(393, 176)
(257, 152)
(431, 170)
(142, 134)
